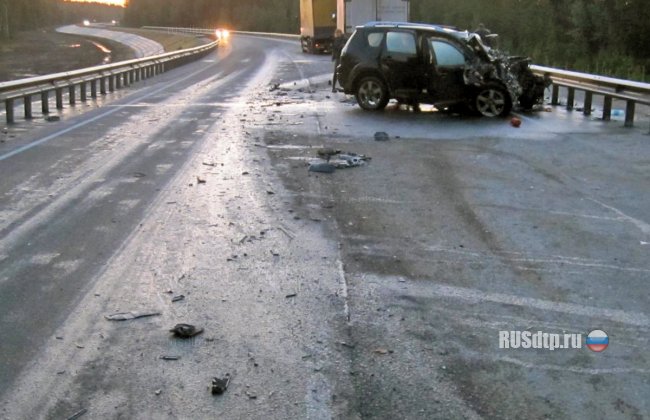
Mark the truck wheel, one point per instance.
(493, 100)
(372, 93)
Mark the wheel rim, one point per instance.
(491, 102)
(370, 93)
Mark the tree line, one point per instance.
(599, 36)
(23, 15)
(609, 37)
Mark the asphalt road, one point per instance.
(143, 47)
(373, 292)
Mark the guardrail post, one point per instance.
(588, 100)
(9, 108)
(45, 102)
(82, 92)
(58, 92)
(111, 83)
(607, 108)
(102, 85)
(93, 88)
(72, 97)
(118, 81)
(555, 96)
(629, 113)
(27, 102)
(570, 98)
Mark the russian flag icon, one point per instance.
(597, 341)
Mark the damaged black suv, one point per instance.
(421, 63)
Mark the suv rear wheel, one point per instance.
(372, 93)
(493, 100)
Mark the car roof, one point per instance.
(414, 25)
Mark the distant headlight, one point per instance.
(222, 34)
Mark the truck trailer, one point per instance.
(353, 13)
(317, 25)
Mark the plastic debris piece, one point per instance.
(178, 298)
(515, 122)
(125, 316)
(78, 414)
(200, 180)
(186, 330)
(381, 351)
(381, 136)
(170, 357)
(322, 167)
(291, 295)
(220, 385)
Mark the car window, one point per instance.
(447, 54)
(375, 38)
(401, 42)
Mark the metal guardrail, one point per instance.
(200, 31)
(608, 87)
(126, 72)
(102, 79)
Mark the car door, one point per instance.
(400, 63)
(445, 67)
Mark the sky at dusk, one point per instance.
(112, 2)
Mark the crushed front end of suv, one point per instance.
(439, 65)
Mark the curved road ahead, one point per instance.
(143, 47)
(374, 292)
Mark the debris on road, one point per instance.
(200, 180)
(126, 316)
(382, 351)
(515, 122)
(381, 136)
(78, 414)
(170, 357)
(250, 395)
(220, 385)
(186, 330)
(327, 153)
(350, 160)
(158, 391)
(178, 298)
(322, 167)
(291, 295)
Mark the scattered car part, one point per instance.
(186, 330)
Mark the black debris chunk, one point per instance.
(186, 330)
(322, 167)
(381, 136)
(178, 298)
(220, 385)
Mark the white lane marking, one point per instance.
(477, 296)
(97, 117)
(643, 226)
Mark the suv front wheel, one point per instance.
(493, 100)
(372, 93)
